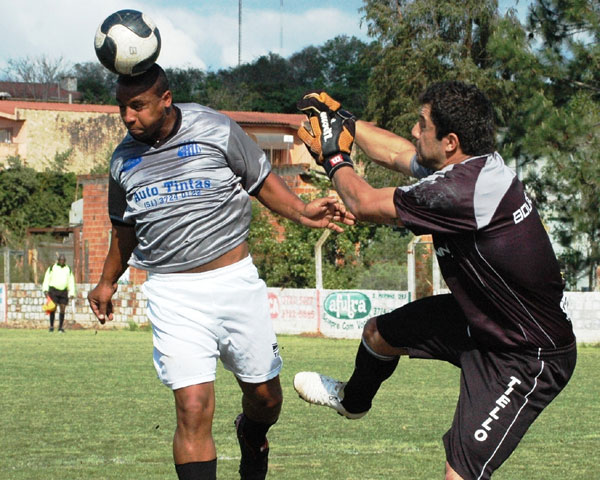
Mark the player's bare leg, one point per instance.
(193, 444)
(451, 473)
(261, 405)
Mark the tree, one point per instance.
(37, 70)
(96, 83)
(567, 135)
(40, 69)
(274, 84)
(33, 199)
(186, 84)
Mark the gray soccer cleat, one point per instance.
(323, 390)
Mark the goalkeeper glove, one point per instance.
(331, 139)
(319, 101)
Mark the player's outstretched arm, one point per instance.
(385, 148)
(330, 143)
(325, 212)
(365, 202)
(122, 243)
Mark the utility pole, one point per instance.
(281, 28)
(239, 32)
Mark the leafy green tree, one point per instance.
(274, 84)
(95, 82)
(186, 84)
(33, 199)
(567, 135)
(569, 188)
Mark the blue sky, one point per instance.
(195, 33)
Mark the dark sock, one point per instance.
(255, 432)
(369, 373)
(197, 470)
(61, 320)
(51, 319)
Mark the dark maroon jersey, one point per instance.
(493, 251)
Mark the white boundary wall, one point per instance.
(331, 313)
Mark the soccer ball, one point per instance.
(127, 42)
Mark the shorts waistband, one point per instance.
(217, 272)
(553, 352)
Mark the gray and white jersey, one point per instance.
(189, 197)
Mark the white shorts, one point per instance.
(200, 317)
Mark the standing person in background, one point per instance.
(59, 285)
(179, 201)
(504, 324)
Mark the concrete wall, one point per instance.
(92, 136)
(332, 313)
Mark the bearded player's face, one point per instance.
(143, 113)
(430, 151)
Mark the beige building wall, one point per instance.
(91, 136)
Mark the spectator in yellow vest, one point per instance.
(59, 285)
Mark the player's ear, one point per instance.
(167, 98)
(452, 143)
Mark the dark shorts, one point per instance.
(60, 297)
(501, 393)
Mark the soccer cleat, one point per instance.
(323, 390)
(254, 463)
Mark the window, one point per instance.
(276, 157)
(276, 147)
(5, 135)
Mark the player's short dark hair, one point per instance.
(155, 77)
(464, 110)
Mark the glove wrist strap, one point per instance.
(337, 161)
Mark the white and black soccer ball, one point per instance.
(127, 42)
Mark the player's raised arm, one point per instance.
(320, 213)
(330, 143)
(384, 148)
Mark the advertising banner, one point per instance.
(294, 310)
(332, 313)
(344, 313)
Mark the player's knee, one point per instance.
(451, 473)
(263, 401)
(268, 399)
(376, 342)
(370, 333)
(194, 411)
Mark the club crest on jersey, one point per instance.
(130, 163)
(189, 150)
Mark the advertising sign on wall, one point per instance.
(344, 313)
(333, 313)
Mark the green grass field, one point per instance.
(87, 405)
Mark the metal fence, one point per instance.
(29, 263)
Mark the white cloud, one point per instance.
(66, 28)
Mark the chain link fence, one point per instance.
(28, 262)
